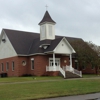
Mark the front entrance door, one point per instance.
(57, 61)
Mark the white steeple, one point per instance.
(47, 27)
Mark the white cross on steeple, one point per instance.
(46, 7)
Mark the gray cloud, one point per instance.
(75, 18)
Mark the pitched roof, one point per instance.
(20, 40)
(26, 43)
(47, 18)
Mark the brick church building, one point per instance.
(39, 54)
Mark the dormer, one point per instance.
(47, 27)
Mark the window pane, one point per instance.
(32, 64)
(7, 66)
(13, 66)
(2, 69)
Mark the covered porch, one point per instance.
(63, 48)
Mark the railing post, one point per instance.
(81, 73)
(71, 62)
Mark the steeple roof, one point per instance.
(47, 18)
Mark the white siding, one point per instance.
(6, 49)
(47, 31)
(50, 31)
(63, 48)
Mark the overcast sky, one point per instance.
(74, 18)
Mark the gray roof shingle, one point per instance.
(26, 43)
(47, 18)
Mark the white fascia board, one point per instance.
(49, 52)
(31, 54)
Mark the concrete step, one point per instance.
(71, 75)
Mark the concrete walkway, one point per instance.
(34, 81)
(79, 97)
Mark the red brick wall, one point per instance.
(22, 70)
(19, 68)
(40, 63)
(89, 70)
(9, 60)
(64, 61)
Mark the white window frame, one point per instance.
(32, 63)
(55, 60)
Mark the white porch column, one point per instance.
(71, 62)
(53, 59)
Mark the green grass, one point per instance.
(90, 75)
(25, 79)
(44, 89)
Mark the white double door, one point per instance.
(57, 62)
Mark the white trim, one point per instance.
(54, 59)
(31, 54)
(49, 52)
(70, 60)
(44, 44)
(48, 23)
(32, 58)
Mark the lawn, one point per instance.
(90, 75)
(25, 79)
(33, 89)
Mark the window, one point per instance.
(32, 64)
(13, 67)
(7, 66)
(57, 62)
(23, 63)
(2, 68)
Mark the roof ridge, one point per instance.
(20, 31)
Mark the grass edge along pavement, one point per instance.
(48, 89)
